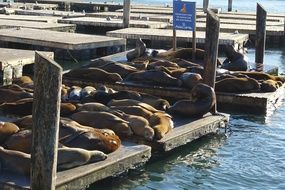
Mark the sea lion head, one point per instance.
(96, 156)
(149, 133)
(229, 50)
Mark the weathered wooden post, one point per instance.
(260, 36)
(126, 14)
(205, 5)
(211, 50)
(174, 42)
(230, 5)
(46, 110)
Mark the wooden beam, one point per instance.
(205, 5)
(211, 48)
(46, 110)
(127, 13)
(230, 5)
(260, 36)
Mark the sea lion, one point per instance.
(139, 125)
(8, 95)
(21, 141)
(235, 61)
(157, 103)
(130, 102)
(190, 79)
(224, 76)
(184, 63)
(154, 77)
(93, 106)
(161, 123)
(261, 76)
(203, 99)
(21, 107)
(138, 51)
(73, 157)
(98, 62)
(67, 109)
(6, 130)
(15, 161)
(74, 93)
(270, 85)
(94, 74)
(134, 110)
(23, 80)
(25, 122)
(183, 53)
(122, 69)
(237, 85)
(87, 91)
(164, 63)
(103, 120)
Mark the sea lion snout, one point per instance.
(96, 155)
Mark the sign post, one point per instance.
(184, 18)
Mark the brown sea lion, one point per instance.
(15, 161)
(21, 141)
(73, 157)
(161, 123)
(190, 79)
(138, 51)
(8, 95)
(184, 53)
(20, 107)
(235, 61)
(122, 69)
(134, 110)
(93, 106)
(237, 85)
(184, 63)
(98, 62)
(94, 74)
(203, 99)
(261, 76)
(130, 102)
(6, 130)
(103, 120)
(270, 85)
(67, 109)
(157, 103)
(154, 77)
(164, 63)
(224, 76)
(25, 122)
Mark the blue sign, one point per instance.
(184, 14)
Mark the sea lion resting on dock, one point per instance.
(161, 123)
(103, 120)
(92, 106)
(138, 51)
(122, 69)
(94, 74)
(21, 141)
(237, 85)
(260, 76)
(8, 95)
(134, 110)
(270, 85)
(235, 61)
(6, 130)
(130, 102)
(190, 79)
(203, 100)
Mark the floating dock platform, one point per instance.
(12, 62)
(128, 156)
(238, 40)
(112, 23)
(26, 5)
(50, 13)
(65, 45)
(48, 19)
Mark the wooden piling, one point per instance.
(174, 40)
(260, 36)
(46, 114)
(127, 13)
(211, 48)
(230, 5)
(205, 5)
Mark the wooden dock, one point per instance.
(12, 62)
(128, 156)
(112, 23)
(182, 36)
(5, 24)
(26, 5)
(50, 13)
(64, 44)
(48, 19)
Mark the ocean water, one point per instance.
(251, 157)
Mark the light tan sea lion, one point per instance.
(15, 161)
(8, 95)
(94, 74)
(87, 91)
(67, 109)
(23, 80)
(21, 141)
(6, 130)
(130, 102)
(237, 85)
(74, 157)
(103, 120)
(122, 69)
(154, 77)
(25, 122)
(203, 99)
(190, 79)
(93, 106)
(161, 123)
(270, 85)
(134, 110)
(261, 76)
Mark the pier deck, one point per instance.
(48, 19)
(128, 156)
(182, 36)
(4, 24)
(28, 5)
(50, 13)
(113, 23)
(55, 41)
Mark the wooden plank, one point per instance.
(128, 156)
(113, 22)
(14, 57)
(4, 24)
(53, 39)
(46, 115)
(28, 5)
(149, 11)
(126, 13)
(50, 13)
(48, 19)
(182, 36)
